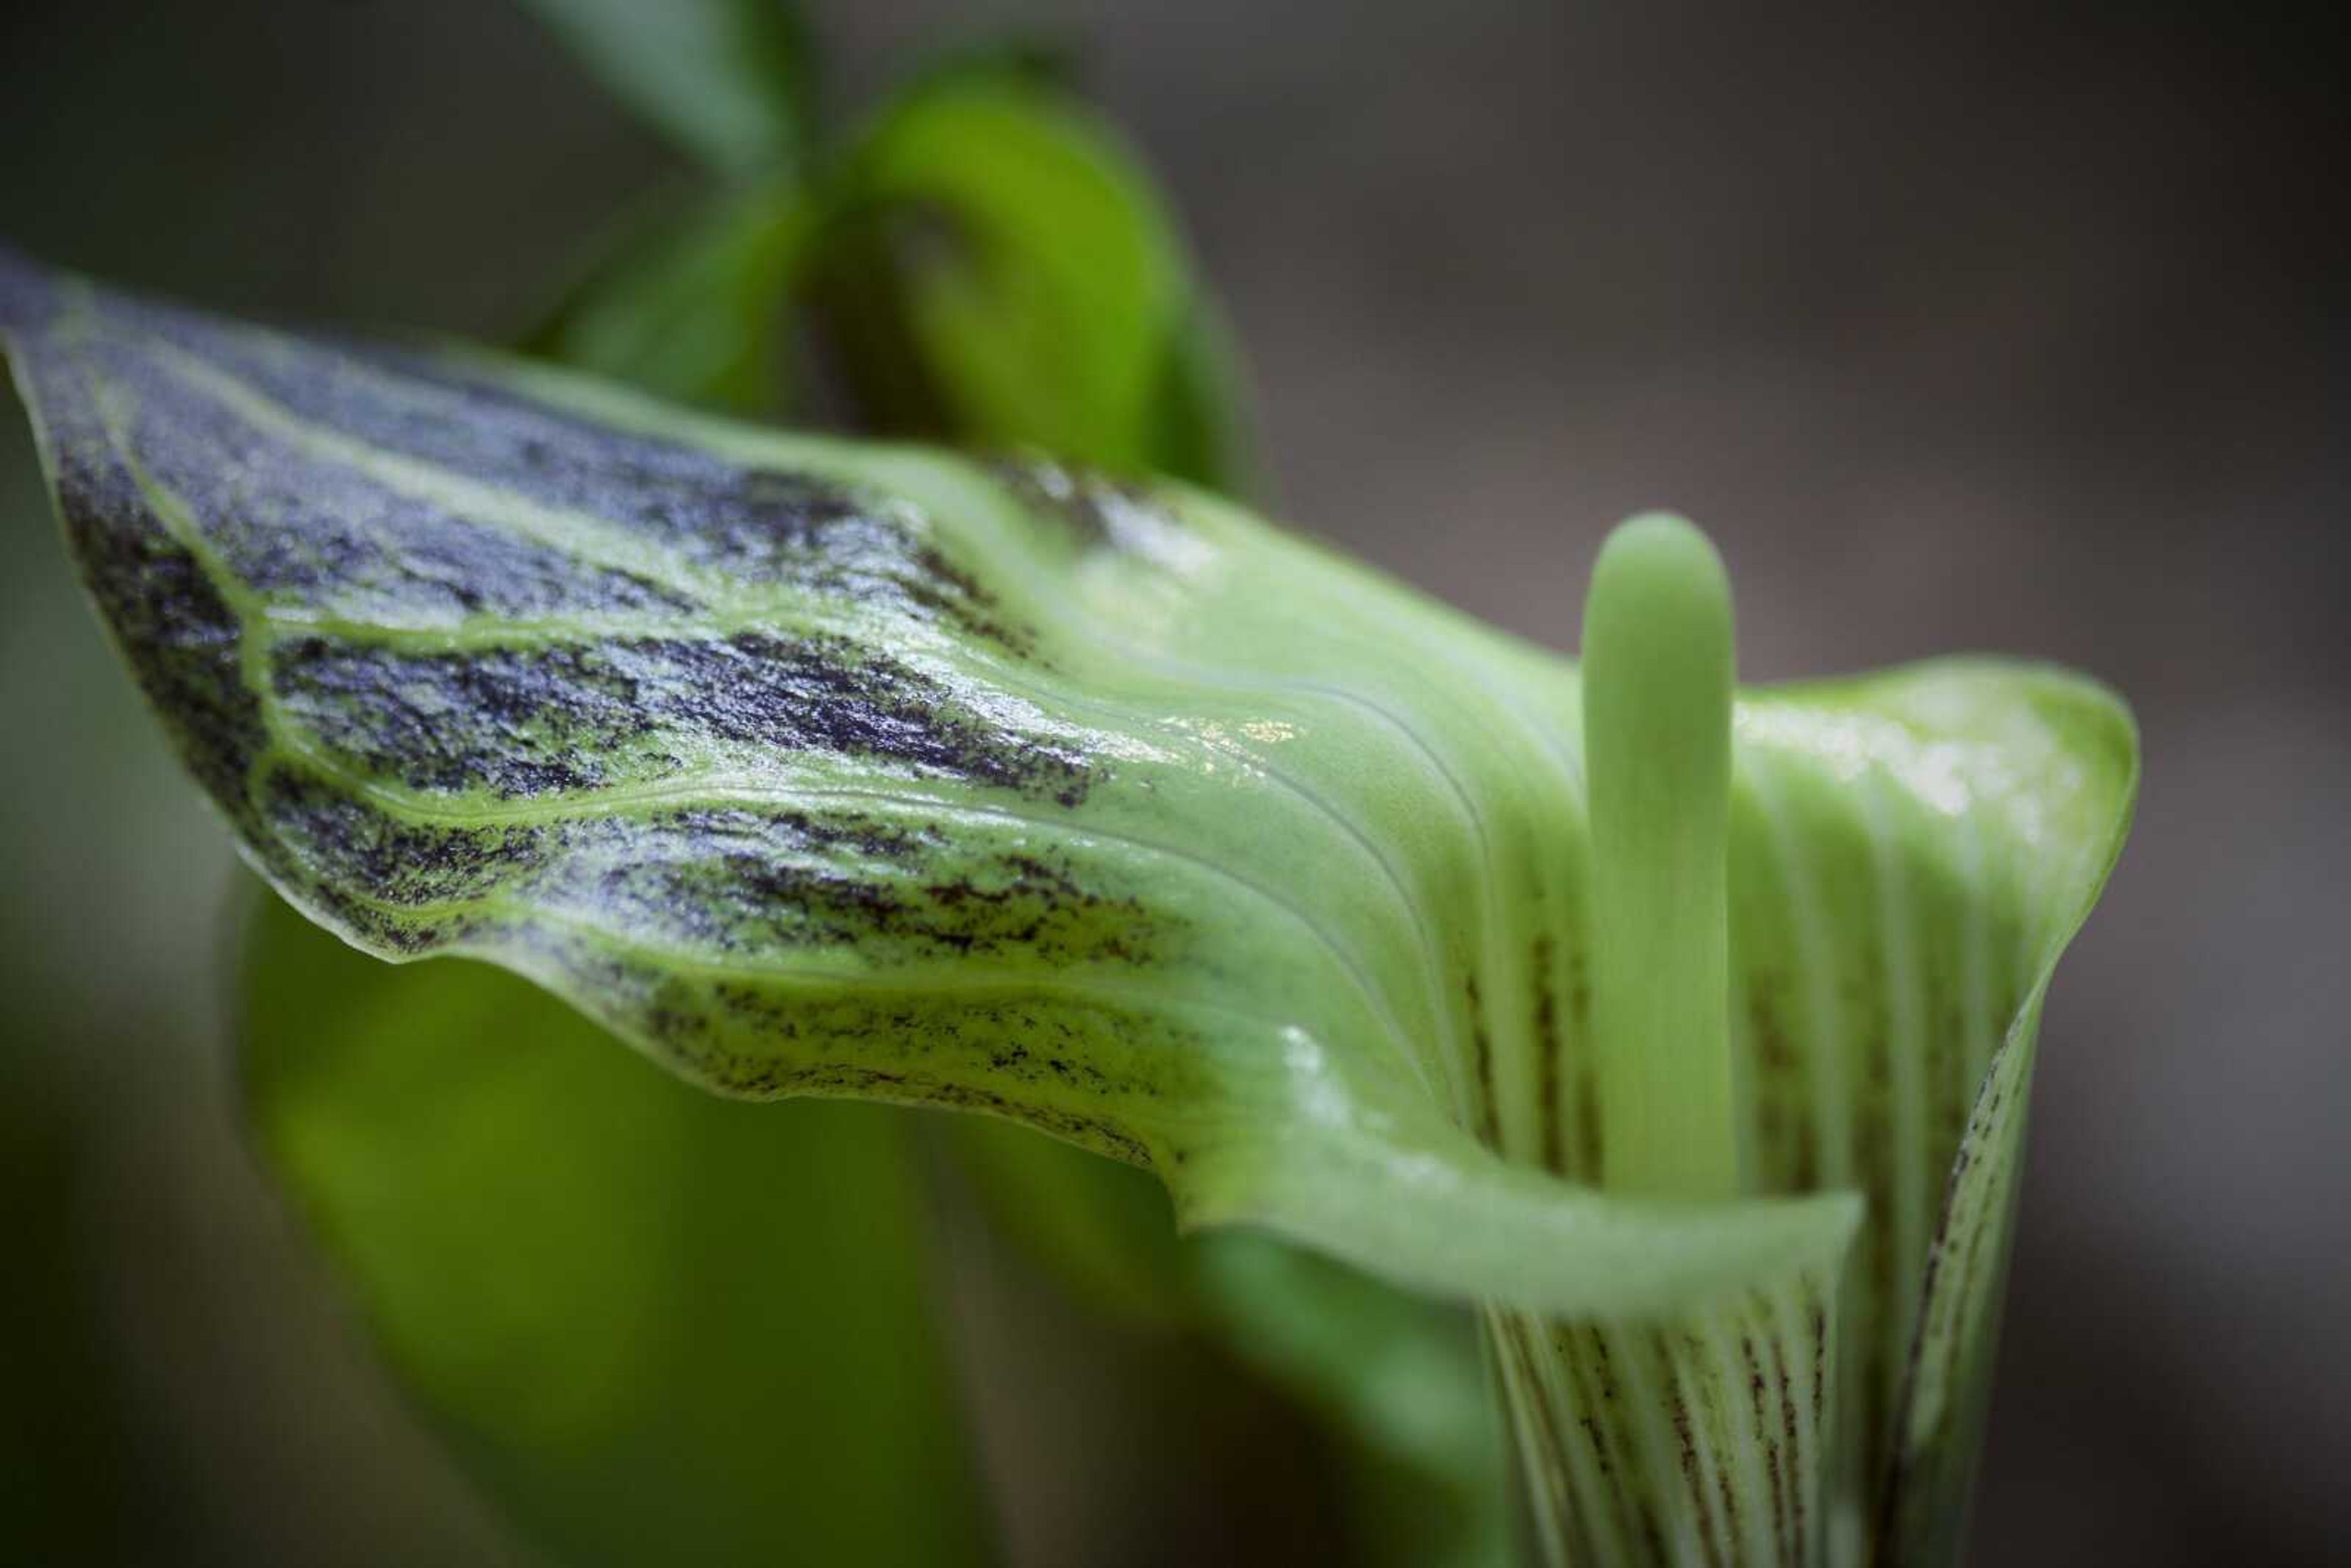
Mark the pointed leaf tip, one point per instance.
(23, 285)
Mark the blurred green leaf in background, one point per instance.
(729, 81)
(1003, 274)
(662, 1325)
(692, 302)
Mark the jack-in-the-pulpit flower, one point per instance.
(1685, 1036)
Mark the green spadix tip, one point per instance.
(1658, 671)
(1662, 564)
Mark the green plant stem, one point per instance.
(1658, 675)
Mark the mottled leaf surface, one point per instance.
(811, 768)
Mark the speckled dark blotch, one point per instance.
(845, 831)
(303, 529)
(287, 518)
(179, 634)
(430, 408)
(737, 880)
(524, 722)
(342, 838)
(764, 892)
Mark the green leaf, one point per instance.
(1103, 1228)
(728, 80)
(812, 768)
(1402, 1376)
(1000, 271)
(655, 1329)
(1396, 1379)
(692, 306)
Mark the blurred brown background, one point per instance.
(1992, 331)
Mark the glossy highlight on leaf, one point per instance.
(814, 768)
